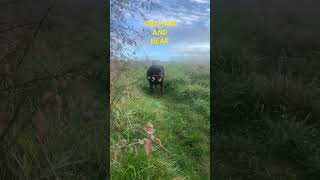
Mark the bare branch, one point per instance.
(35, 34)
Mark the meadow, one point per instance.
(53, 106)
(180, 119)
(266, 90)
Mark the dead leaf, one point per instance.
(148, 147)
(41, 124)
(148, 128)
(149, 124)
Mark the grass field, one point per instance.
(266, 90)
(180, 118)
(64, 61)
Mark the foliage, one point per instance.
(179, 119)
(266, 91)
(50, 129)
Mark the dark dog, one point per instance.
(155, 75)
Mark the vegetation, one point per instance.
(180, 119)
(266, 90)
(53, 106)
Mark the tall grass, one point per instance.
(266, 91)
(56, 100)
(180, 118)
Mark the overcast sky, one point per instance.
(189, 40)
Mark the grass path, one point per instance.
(180, 118)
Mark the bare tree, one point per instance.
(123, 34)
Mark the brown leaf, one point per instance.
(148, 128)
(148, 147)
(149, 124)
(41, 124)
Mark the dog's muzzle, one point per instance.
(153, 78)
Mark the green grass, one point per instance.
(71, 150)
(266, 91)
(266, 128)
(180, 118)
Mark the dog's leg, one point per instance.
(151, 86)
(162, 87)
